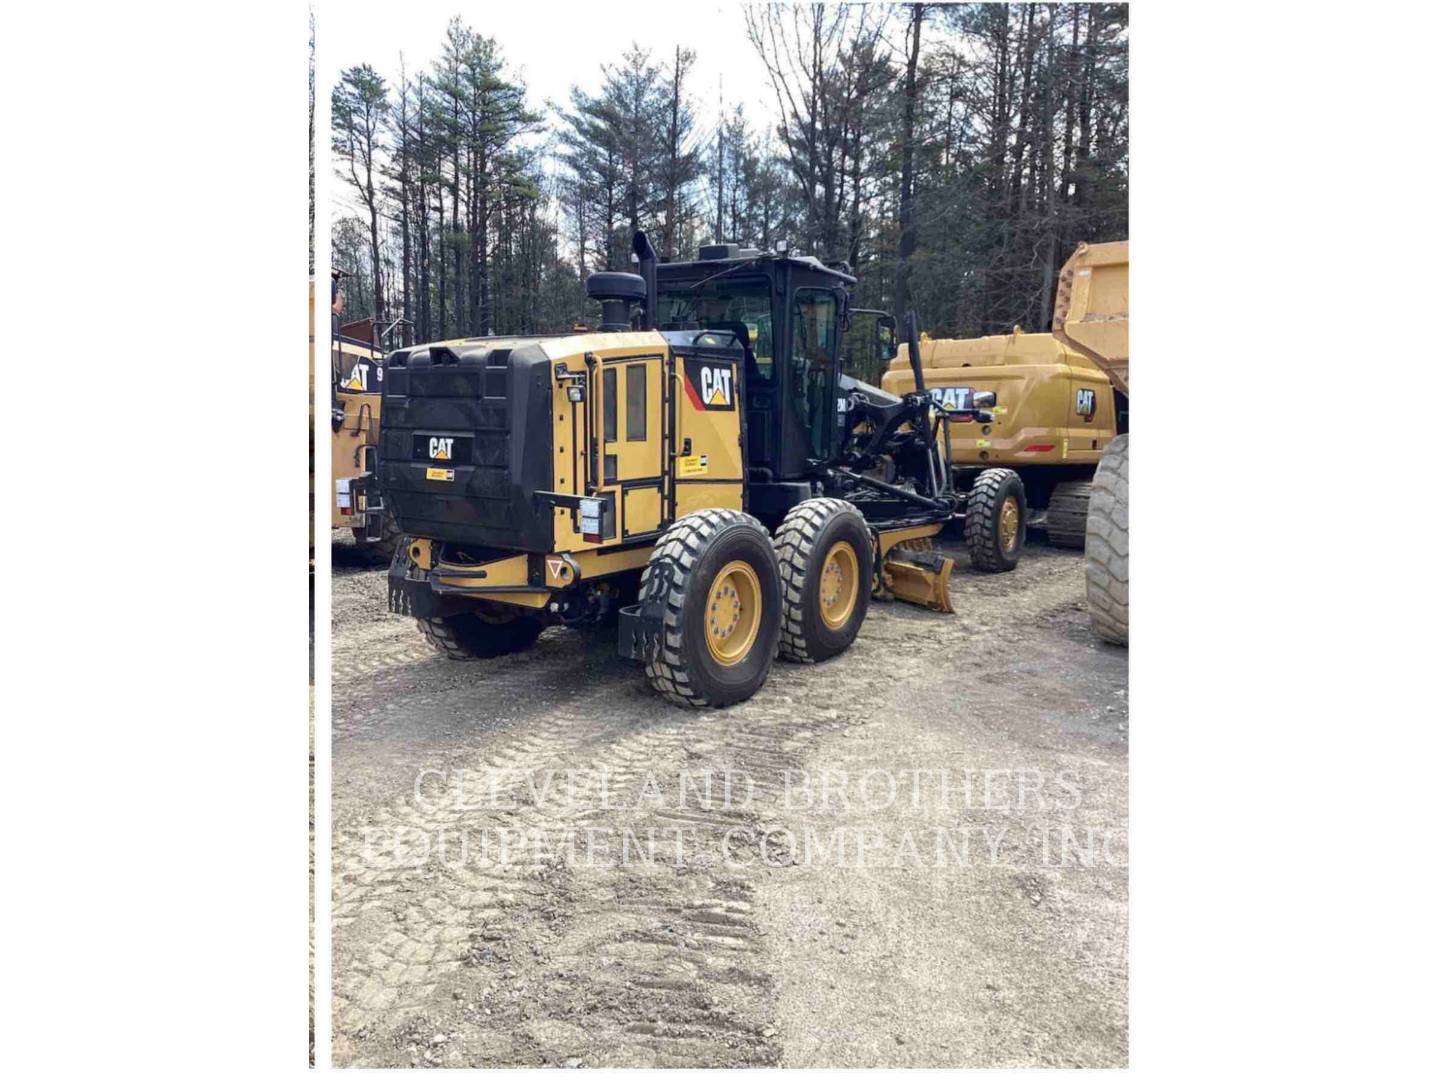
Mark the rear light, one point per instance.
(591, 511)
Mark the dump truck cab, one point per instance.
(701, 439)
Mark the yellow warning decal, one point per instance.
(439, 474)
(694, 465)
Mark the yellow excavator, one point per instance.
(1058, 406)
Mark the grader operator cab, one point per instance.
(696, 469)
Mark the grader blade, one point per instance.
(920, 577)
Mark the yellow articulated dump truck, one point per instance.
(357, 370)
(1058, 403)
(697, 468)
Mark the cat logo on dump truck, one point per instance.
(710, 385)
(440, 449)
(951, 397)
(1085, 403)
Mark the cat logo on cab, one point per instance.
(441, 449)
(709, 385)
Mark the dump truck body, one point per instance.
(1092, 308)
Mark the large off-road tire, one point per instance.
(1065, 516)
(826, 563)
(384, 548)
(995, 520)
(479, 635)
(715, 574)
(1107, 544)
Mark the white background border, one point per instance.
(1283, 224)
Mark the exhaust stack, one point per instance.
(912, 338)
(645, 253)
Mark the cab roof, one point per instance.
(733, 255)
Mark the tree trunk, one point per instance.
(907, 167)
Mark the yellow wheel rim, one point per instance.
(1009, 523)
(732, 613)
(839, 585)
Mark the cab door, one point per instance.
(1090, 411)
(630, 459)
(709, 468)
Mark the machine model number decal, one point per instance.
(1085, 403)
(710, 386)
(439, 474)
(693, 465)
(951, 397)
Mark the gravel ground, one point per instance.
(923, 862)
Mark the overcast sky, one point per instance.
(555, 44)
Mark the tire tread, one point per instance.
(794, 545)
(683, 543)
(1107, 545)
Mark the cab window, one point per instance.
(726, 304)
(816, 333)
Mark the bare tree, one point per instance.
(358, 108)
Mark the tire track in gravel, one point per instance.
(664, 956)
(462, 958)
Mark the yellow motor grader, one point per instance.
(696, 470)
(1058, 404)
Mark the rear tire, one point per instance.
(473, 635)
(717, 577)
(826, 565)
(995, 520)
(1065, 516)
(1107, 544)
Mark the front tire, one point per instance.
(716, 575)
(995, 520)
(826, 565)
(480, 635)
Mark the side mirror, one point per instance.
(885, 343)
(982, 399)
